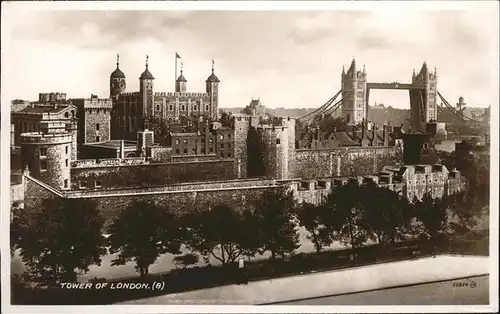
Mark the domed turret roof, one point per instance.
(146, 74)
(117, 73)
(181, 78)
(213, 78)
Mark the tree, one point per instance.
(219, 233)
(186, 260)
(142, 232)
(432, 215)
(275, 223)
(343, 216)
(385, 214)
(58, 238)
(310, 217)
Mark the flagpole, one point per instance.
(175, 78)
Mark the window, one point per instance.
(43, 164)
(97, 126)
(211, 150)
(158, 107)
(65, 183)
(221, 137)
(66, 149)
(170, 107)
(177, 141)
(183, 108)
(177, 151)
(229, 155)
(203, 140)
(229, 136)
(97, 138)
(221, 154)
(185, 151)
(203, 151)
(228, 145)
(221, 145)
(83, 184)
(210, 140)
(66, 162)
(98, 183)
(66, 115)
(278, 141)
(43, 152)
(206, 107)
(195, 107)
(194, 151)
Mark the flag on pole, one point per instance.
(177, 55)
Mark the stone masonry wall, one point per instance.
(151, 174)
(343, 161)
(94, 117)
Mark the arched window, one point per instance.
(195, 107)
(72, 113)
(66, 115)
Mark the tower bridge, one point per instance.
(355, 96)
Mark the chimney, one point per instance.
(385, 135)
(122, 149)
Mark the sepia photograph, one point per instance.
(205, 156)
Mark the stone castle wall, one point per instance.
(310, 163)
(151, 174)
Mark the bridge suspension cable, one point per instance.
(337, 105)
(320, 109)
(450, 108)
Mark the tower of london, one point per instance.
(132, 109)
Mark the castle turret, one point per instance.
(180, 83)
(146, 90)
(117, 84)
(212, 88)
(47, 154)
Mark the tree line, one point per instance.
(61, 238)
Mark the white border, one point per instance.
(14, 7)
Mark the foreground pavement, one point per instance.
(469, 291)
(366, 278)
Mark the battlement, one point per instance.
(130, 94)
(51, 97)
(178, 94)
(38, 138)
(108, 162)
(94, 102)
(272, 128)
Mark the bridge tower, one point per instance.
(354, 107)
(423, 102)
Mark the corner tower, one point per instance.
(117, 83)
(212, 85)
(354, 94)
(146, 90)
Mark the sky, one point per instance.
(288, 59)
